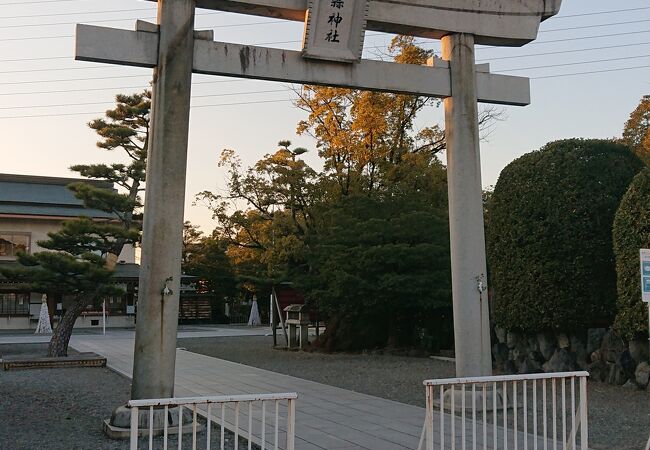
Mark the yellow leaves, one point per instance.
(405, 51)
(362, 134)
(636, 133)
(227, 157)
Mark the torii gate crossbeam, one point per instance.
(174, 50)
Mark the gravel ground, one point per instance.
(63, 409)
(619, 418)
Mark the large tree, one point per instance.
(631, 233)
(362, 136)
(378, 168)
(360, 133)
(379, 265)
(549, 235)
(266, 212)
(81, 256)
(205, 258)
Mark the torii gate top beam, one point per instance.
(492, 22)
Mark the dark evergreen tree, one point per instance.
(380, 272)
(549, 235)
(631, 233)
(81, 256)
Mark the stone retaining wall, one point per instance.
(599, 351)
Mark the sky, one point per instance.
(588, 69)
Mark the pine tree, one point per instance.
(81, 256)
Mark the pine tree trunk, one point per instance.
(63, 331)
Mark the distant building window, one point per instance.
(14, 303)
(12, 243)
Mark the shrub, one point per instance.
(632, 232)
(380, 272)
(549, 235)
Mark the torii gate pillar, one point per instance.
(332, 58)
(466, 226)
(160, 271)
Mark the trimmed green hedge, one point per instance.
(632, 232)
(549, 235)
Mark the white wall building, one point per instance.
(31, 207)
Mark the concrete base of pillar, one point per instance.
(458, 400)
(119, 425)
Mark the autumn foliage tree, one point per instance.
(279, 192)
(636, 133)
(361, 134)
(364, 238)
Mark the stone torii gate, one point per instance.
(331, 55)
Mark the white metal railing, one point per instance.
(551, 411)
(229, 409)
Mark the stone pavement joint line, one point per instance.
(327, 417)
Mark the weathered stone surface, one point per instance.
(597, 356)
(642, 375)
(626, 362)
(561, 361)
(639, 350)
(547, 344)
(612, 346)
(536, 356)
(119, 425)
(530, 365)
(501, 334)
(630, 385)
(616, 375)
(512, 339)
(598, 371)
(563, 341)
(509, 367)
(595, 338)
(500, 354)
(520, 352)
(578, 347)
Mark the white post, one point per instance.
(104, 316)
(134, 428)
(468, 261)
(154, 358)
(429, 417)
(291, 424)
(584, 426)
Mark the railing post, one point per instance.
(429, 417)
(291, 424)
(222, 400)
(584, 428)
(134, 428)
(550, 411)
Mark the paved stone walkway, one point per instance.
(327, 417)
